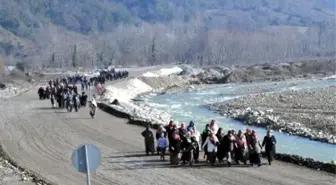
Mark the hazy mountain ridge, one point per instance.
(23, 22)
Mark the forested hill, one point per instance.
(26, 25)
(103, 15)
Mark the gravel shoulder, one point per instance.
(42, 140)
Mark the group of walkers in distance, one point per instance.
(64, 91)
(187, 142)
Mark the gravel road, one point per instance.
(42, 139)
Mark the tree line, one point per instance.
(190, 43)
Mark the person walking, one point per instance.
(162, 145)
(149, 140)
(269, 142)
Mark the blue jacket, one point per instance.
(191, 126)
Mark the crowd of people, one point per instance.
(184, 144)
(110, 75)
(64, 91)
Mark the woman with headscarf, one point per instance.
(269, 143)
(248, 137)
(182, 130)
(161, 131)
(228, 146)
(187, 148)
(255, 149)
(169, 129)
(220, 152)
(241, 148)
(149, 140)
(191, 126)
(175, 148)
(204, 136)
(195, 138)
(211, 144)
(214, 126)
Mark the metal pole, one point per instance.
(88, 178)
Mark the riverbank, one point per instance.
(309, 113)
(138, 115)
(127, 97)
(261, 72)
(329, 167)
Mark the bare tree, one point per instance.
(2, 68)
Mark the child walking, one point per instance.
(162, 146)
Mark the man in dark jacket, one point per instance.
(149, 140)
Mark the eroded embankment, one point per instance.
(123, 97)
(121, 109)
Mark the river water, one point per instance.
(187, 106)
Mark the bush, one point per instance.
(22, 66)
(18, 74)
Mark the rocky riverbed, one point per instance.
(260, 72)
(308, 113)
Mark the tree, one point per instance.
(153, 58)
(100, 58)
(53, 60)
(21, 66)
(2, 68)
(74, 57)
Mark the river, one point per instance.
(187, 106)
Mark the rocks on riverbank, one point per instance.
(308, 113)
(260, 72)
(266, 119)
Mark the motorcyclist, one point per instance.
(93, 106)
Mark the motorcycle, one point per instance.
(93, 109)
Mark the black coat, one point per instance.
(175, 146)
(269, 143)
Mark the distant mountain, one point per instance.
(21, 21)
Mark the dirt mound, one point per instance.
(163, 82)
(236, 76)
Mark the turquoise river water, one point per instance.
(188, 106)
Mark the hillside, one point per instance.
(35, 30)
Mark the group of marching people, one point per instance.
(217, 145)
(66, 95)
(108, 75)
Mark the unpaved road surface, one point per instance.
(42, 139)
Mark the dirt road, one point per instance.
(43, 139)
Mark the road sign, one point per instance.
(86, 158)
